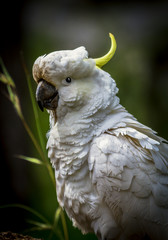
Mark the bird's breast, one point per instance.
(75, 191)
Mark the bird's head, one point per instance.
(69, 80)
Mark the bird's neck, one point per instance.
(70, 138)
(78, 128)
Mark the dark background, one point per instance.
(140, 68)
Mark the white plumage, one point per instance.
(111, 171)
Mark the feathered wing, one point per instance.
(130, 172)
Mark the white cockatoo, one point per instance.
(111, 171)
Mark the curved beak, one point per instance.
(46, 95)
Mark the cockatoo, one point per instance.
(111, 171)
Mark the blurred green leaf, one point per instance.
(40, 225)
(28, 209)
(66, 235)
(45, 224)
(6, 78)
(42, 150)
(15, 100)
(57, 216)
(30, 159)
(34, 105)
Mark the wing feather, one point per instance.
(129, 163)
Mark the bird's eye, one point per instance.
(68, 79)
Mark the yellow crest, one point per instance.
(100, 62)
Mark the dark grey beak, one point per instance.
(46, 95)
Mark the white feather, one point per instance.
(111, 171)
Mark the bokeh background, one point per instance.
(140, 68)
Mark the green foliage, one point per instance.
(42, 223)
(30, 159)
